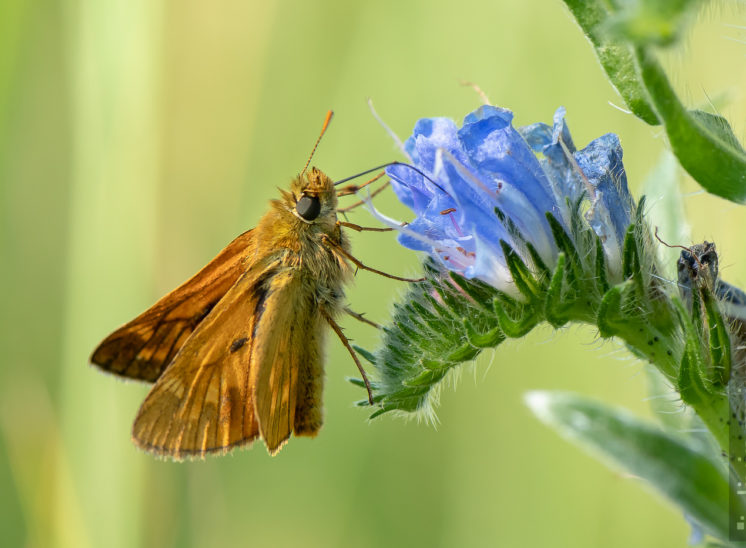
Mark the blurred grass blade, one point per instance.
(615, 55)
(679, 470)
(704, 143)
(115, 135)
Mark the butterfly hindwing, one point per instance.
(142, 348)
(203, 402)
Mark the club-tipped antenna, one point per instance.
(382, 166)
(323, 130)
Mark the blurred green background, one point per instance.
(137, 138)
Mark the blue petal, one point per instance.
(601, 163)
(565, 180)
(498, 152)
(488, 166)
(537, 136)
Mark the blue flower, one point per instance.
(488, 181)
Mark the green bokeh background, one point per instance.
(137, 138)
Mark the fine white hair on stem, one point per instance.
(624, 110)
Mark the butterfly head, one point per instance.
(312, 198)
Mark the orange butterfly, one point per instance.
(236, 351)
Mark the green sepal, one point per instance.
(451, 300)
(566, 245)
(361, 383)
(691, 382)
(519, 326)
(365, 354)
(698, 318)
(477, 290)
(543, 272)
(555, 309)
(630, 263)
(463, 353)
(365, 403)
(719, 341)
(432, 365)
(431, 320)
(404, 404)
(427, 377)
(489, 339)
(415, 391)
(406, 330)
(602, 280)
(438, 309)
(610, 314)
(634, 267)
(522, 276)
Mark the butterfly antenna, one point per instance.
(323, 130)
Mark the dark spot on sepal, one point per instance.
(238, 343)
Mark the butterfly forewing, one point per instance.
(142, 348)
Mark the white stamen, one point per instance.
(388, 130)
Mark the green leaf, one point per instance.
(615, 55)
(704, 143)
(674, 466)
(658, 22)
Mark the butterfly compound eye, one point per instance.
(308, 207)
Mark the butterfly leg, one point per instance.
(325, 239)
(346, 342)
(352, 189)
(359, 228)
(361, 318)
(375, 193)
